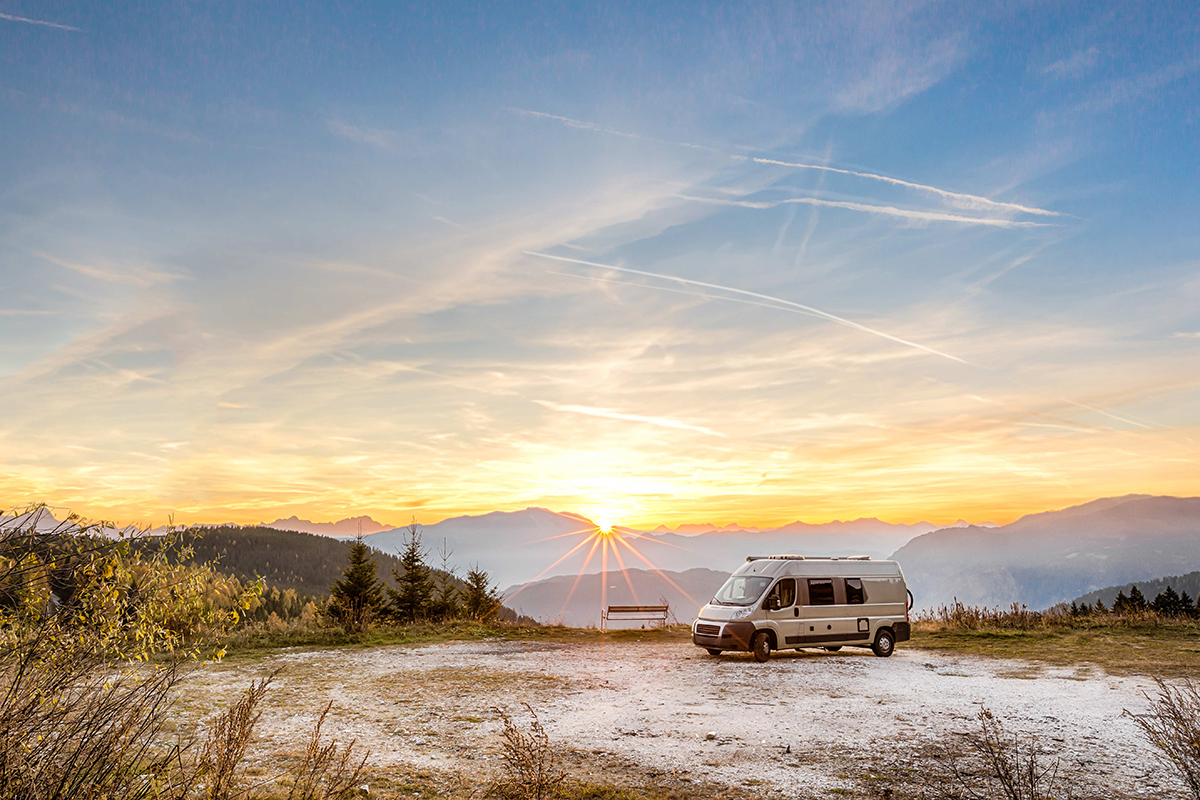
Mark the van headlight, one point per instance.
(741, 613)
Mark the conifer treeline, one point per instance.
(420, 593)
(1168, 603)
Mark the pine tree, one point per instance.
(1101, 608)
(1137, 601)
(481, 598)
(1187, 608)
(1121, 604)
(357, 597)
(446, 601)
(412, 600)
(1167, 603)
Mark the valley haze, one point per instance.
(1040, 559)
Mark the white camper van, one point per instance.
(776, 602)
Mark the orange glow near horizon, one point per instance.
(604, 541)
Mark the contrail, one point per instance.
(787, 305)
(814, 311)
(685, 294)
(960, 199)
(891, 211)
(41, 22)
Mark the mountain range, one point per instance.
(519, 546)
(343, 528)
(1055, 556)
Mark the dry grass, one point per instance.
(225, 745)
(1142, 643)
(255, 640)
(531, 770)
(1173, 729)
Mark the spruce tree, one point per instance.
(1137, 601)
(481, 598)
(1100, 607)
(357, 597)
(412, 600)
(1187, 608)
(1167, 603)
(446, 601)
(1121, 604)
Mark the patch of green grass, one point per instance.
(1169, 649)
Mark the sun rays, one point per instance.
(601, 539)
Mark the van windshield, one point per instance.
(741, 590)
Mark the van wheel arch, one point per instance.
(885, 642)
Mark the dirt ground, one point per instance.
(805, 723)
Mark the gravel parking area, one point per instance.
(800, 723)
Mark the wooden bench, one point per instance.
(649, 613)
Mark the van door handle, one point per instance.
(795, 612)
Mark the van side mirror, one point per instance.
(773, 604)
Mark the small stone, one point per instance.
(710, 736)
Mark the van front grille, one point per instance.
(708, 630)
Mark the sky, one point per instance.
(655, 263)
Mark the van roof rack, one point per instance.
(807, 558)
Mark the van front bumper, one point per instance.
(731, 635)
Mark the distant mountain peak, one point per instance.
(343, 527)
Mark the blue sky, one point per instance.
(276, 258)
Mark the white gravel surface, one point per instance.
(789, 726)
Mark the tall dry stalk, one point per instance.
(225, 745)
(530, 766)
(1000, 765)
(1173, 728)
(328, 772)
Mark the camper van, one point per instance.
(779, 602)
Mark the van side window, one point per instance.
(787, 592)
(820, 591)
(854, 591)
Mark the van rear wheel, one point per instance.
(885, 643)
(834, 649)
(760, 645)
(712, 651)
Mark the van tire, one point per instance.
(760, 645)
(834, 649)
(885, 643)
(712, 651)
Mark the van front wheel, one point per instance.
(885, 643)
(712, 651)
(760, 645)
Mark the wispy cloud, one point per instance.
(608, 413)
(1075, 64)
(891, 211)
(48, 24)
(1130, 89)
(139, 276)
(354, 133)
(24, 312)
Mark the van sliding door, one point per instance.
(817, 618)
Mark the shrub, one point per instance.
(1000, 765)
(530, 767)
(1173, 728)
